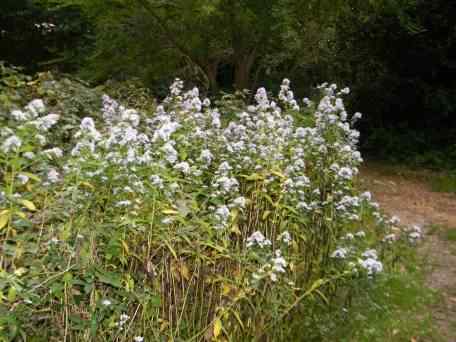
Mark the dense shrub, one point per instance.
(187, 224)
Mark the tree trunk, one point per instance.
(242, 70)
(211, 72)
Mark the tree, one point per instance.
(232, 42)
(32, 36)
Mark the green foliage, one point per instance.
(444, 183)
(111, 238)
(36, 37)
(394, 309)
(451, 235)
(214, 43)
(397, 61)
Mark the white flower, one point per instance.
(41, 139)
(29, 155)
(356, 117)
(257, 238)
(11, 144)
(345, 173)
(416, 229)
(122, 320)
(414, 236)
(345, 91)
(170, 152)
(87, 124)
(372, 266)
(360, 234)
(349, 236)
(53, 176)
(54, 241)
(19, 115)
(395, 220)
(389, 238)
(138, 339)
(165, 131)
(124, 203)
(340, 253)
(131, 115)
(239, 202)
(366, 196)
(157, 181)
(46, 122)
(54, 152)
(227, 184)
(222, 214)
(278, 263)
(224, 167)
(36, 107)
(206, 156)
(307, 102)
(414, 233)
(285, 237)
(23, 179)
(106, 302)
(183, 167)
(370, 254)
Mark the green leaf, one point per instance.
(12, 294)
(109, 278)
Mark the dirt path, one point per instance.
(408, 195)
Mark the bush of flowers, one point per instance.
(186, 224)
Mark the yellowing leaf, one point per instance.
(28, 204)
(20, 214)
(278, 174)
(173, 252)
(170, 212)
(20, 271)
(163, 325)
(4, 218)
(217, 327)
(125, 246)
(253, 177)
(183, 269)
(87, 185)
(226, 289)
(235, 229)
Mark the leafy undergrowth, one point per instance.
(444, 183)
(191, 222)
(395, 308)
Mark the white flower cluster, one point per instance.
(123, 319)
(23, 119)
(45, 27)
(370, 262)
(287, 96)
(258, 239)
(414, 234)
(277, 265)
(340, 253)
